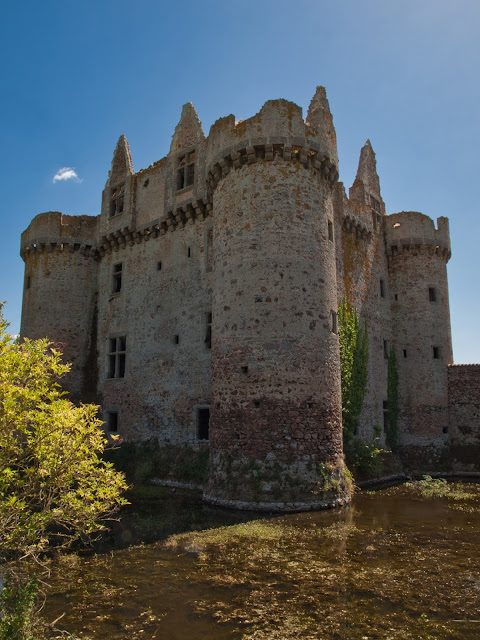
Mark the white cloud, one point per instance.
(66, 173)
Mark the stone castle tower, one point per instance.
(200, 307)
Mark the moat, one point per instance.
(395, 564)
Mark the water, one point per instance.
(392, 566)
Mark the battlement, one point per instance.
(54, 231)
(410, 231)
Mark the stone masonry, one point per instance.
(199, 307)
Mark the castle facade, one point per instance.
(200, 307)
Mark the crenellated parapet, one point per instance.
(311, 157)
(55, 232)
(413, 233)
(352, 224)
(177, 218)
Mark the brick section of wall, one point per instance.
(464, 410)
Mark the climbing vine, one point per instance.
(392, 402)
(353, 343)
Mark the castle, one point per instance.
(200, 307)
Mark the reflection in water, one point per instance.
(391, 566)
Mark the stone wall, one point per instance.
(464, 411)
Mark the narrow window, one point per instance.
(117, 348)
(396, 296)
(189, 253)
(334, 317)
(256, 404)
(117, 278)
(385, 415)
(432, 294)
(208, 332)
(185, 170)
(330, 230)
(159, 265)
(436, 353)
(382, 288)
(27, 282)
(176, 339)
(244, 369)
(112, 421)
(404, 353)
(385, 349)
(117, 198)
(203, 423)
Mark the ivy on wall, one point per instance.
(391, 434)
(353, 342)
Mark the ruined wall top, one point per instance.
(412, 229)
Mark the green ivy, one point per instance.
(392, 401)
(353, 343)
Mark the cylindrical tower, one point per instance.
(275, 429)
(417, 255)
(59, 292)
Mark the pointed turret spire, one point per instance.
(320, 117)
(367, 181)
(122, 165)
(188, 131)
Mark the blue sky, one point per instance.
(404, 73)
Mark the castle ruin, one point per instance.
(200, 307)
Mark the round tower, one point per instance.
(59, 292)
(275, 428)
(417, 255)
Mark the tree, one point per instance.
(54, 486)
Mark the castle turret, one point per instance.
(366, 187)
(59, 292)
(417, 255)
(276, 433)
(118, 198)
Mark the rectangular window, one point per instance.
(334, 321)
(203, 423)
(117, 278)
(208, 332)
(159, 265)
(112, 421)
(382, 288)
(404, 353)
(176, 339)
(432, 294)
(28, 282)
(385, 349)
(385, 415)
(185, 170)
(117, 348)
(330, 230)
(436, 353)
(117, 198)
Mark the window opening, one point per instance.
(330, 230)
(396, 296)
(117, 278)
(244, 369)
(432, 294)
(334, 315)
(112, 421)
(117, 199)
(208, 333)
(159, 265)
(382, 288)
(385, 415)
(27, 282)
(404, 353)
(189, 253)
(176, 339)
(385, 349)
(436, 353)
(116, 357)
(256, 403)
(203, 423)
(185, 170)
